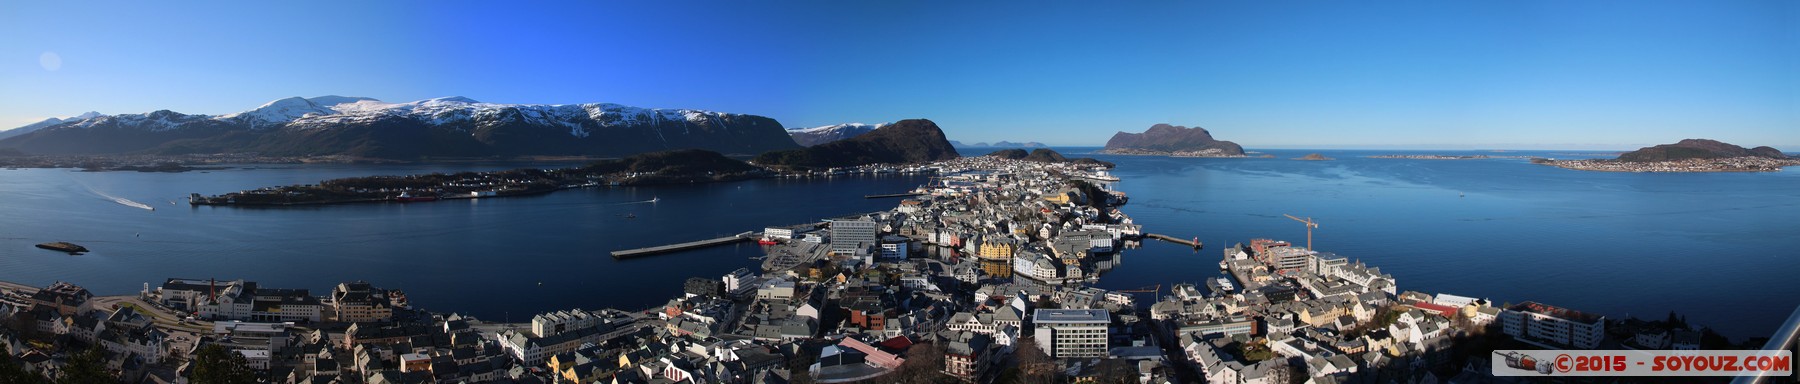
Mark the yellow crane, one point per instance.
(1310, 224)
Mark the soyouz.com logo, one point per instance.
(1514, 362)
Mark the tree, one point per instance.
(11, 372)
(1034, 365)
(86, 368)
(213, 364)
(924, 364)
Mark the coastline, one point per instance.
(1716, 165)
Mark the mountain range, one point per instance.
(33, 127)
(441, 127)
(820, 135)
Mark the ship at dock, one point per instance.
(408, 197)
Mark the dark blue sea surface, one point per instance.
(1717, 247)
(1721, 248)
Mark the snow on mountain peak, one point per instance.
(280, 112)
(856, 126)
(329, 101)
(88, 115)
(453, 99)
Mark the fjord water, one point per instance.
(1717, 247)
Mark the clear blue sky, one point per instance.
(1429, 74)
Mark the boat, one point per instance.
(654, 199)
(1099, 175)
(631, 215)
(767, 241)
(407, 197)
(63, 246)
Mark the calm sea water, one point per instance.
(1719, 248)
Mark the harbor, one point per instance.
(1191, 243)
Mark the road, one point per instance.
(181, 335)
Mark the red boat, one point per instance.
(767, 241)
(409, 198)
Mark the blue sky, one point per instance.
(1428, 74)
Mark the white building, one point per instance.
(778, 233)
(739, 281)
(1072, 333)
(1540, 323)
(849, 235)
(553, 323)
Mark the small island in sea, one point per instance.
(1314, 157)
(1171, 140)
(1690, 155)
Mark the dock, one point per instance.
(661, 249)
(908, 194)
(1191, 243)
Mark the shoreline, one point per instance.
(1715, 165)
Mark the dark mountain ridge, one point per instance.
(903, 142)
(446, 127)
(1171, 139)
(1698, 149)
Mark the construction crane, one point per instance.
(1310, 224)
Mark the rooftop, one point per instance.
(1555, 311)
(1072, 316)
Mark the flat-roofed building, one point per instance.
(1535, 322)
(848, 236)
(1072, 333)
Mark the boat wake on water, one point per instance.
(116, 199)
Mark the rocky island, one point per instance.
(1690, 155)
(1171, 140)
(1314, 157)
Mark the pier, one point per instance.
(908, 194)
(1191, 243)
(647, 251)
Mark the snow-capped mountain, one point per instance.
(280, 112)
(448, 126)
(825, 134)
(28, 128)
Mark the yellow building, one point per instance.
(996, 258)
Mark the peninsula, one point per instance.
(1690, 155)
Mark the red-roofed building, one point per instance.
(1441, 310)
(875, 355)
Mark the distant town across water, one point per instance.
(1706, 245)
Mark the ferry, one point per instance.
(767, 241)
(407, 197)
(1099, 175)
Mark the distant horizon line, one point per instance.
(1393, 148)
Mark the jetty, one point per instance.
(883, 196)
(661, 249)
(1191, 243)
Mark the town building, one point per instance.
(1072, 333)
(358, 301)
(1539, 323)
(849, 236)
